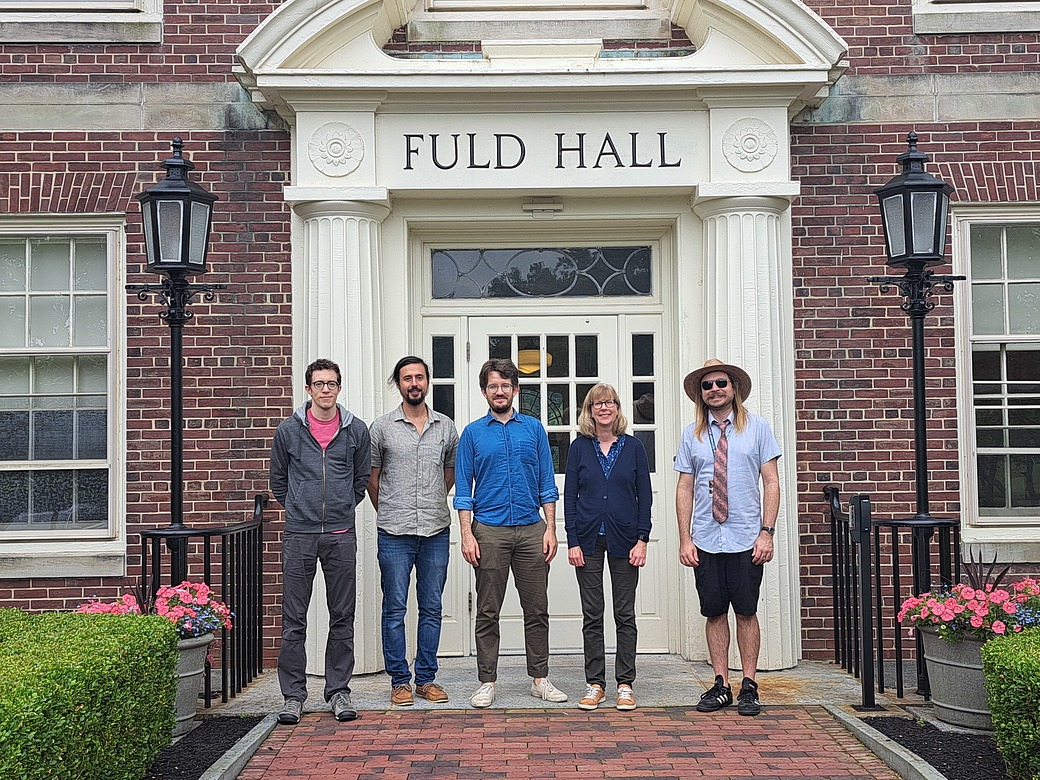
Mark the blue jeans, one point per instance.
(398, 555)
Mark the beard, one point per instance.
(415, 400)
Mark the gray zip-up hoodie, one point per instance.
(320, 489)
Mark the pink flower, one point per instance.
(998, 627)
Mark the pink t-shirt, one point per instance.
(324, 431)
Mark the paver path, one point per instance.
(678, 742)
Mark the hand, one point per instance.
(688, 554)
(576, 556)
(549, 543)
(471, 550)
(762, 552)
(637, 555)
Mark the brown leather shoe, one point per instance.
(432, 692)
(401, 696)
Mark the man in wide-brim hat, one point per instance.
(726, 520)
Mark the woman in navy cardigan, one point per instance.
(606, 501)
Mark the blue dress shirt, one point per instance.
(504, 471)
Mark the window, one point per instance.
(1003, 301)
(60, 462)
(974, 16)
(80, 21)
(542, 273)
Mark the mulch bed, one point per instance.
(958, 756)
(197, 751)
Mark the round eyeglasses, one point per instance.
(319, 386)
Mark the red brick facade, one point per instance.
(853, 372)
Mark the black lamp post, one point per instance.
(177, 215)
(914, 210)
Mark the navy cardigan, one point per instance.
(623, 501)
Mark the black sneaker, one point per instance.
(716, 697)
(747, 700)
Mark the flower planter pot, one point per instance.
(191, 666)
(956, 680)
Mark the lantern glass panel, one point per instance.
(148, 219)
(170, 220)
(945, 208)
(893, 206)
(922, 213)
(199, 229)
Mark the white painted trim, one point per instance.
(1007, 533)
(945, 18)
(87, 21)
(85, 554)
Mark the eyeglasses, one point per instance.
(322, 385)
(719, 383)
(498, 388)
(604, 404)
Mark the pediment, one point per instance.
(318, 45)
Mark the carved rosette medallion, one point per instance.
(336, 149)
(749, 144)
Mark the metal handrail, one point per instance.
(240, 571)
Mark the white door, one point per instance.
(560, 359)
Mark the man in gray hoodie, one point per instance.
(320, 464)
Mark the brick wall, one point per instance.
(237, 372)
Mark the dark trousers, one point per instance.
(300, 556)
(516, 548)
(623, 580)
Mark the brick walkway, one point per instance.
(676, 743)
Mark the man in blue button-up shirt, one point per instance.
(503, 475)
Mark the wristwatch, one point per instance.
(643, 537)
(769, 529)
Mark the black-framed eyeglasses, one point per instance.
(719, 383)
(322, 385)
(609, 404)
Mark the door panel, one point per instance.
(560, 359)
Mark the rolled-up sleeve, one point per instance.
(547, 490)
(464, 472)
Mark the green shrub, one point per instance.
(84, 696)
(1012, 667)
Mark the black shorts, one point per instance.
(727, 578)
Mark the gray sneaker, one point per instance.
(291, 712)
(342, 709)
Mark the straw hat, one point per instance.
(741, 380)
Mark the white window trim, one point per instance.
(1015, 538)
(942, 17)
(92, 21)
(81, 555)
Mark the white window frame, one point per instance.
(100, 553)
(951, 17)
(81, 21)
(1015, 537)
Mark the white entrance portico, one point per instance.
(543, 141)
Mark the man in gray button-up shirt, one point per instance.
(413, 466)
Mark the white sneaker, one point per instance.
(546, 691)
(484, 696)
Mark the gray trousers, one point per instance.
(623, 580)
(516, 548)
(338, 556)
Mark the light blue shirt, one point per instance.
(504, 471)
(748, 451)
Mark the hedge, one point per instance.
(1012, 667)
(84, 696)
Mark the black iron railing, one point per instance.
(871, 575)
(232, 564)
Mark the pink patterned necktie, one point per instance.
(719, 485)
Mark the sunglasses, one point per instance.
(719, 383)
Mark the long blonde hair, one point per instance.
(740, 414)
(587, 423)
